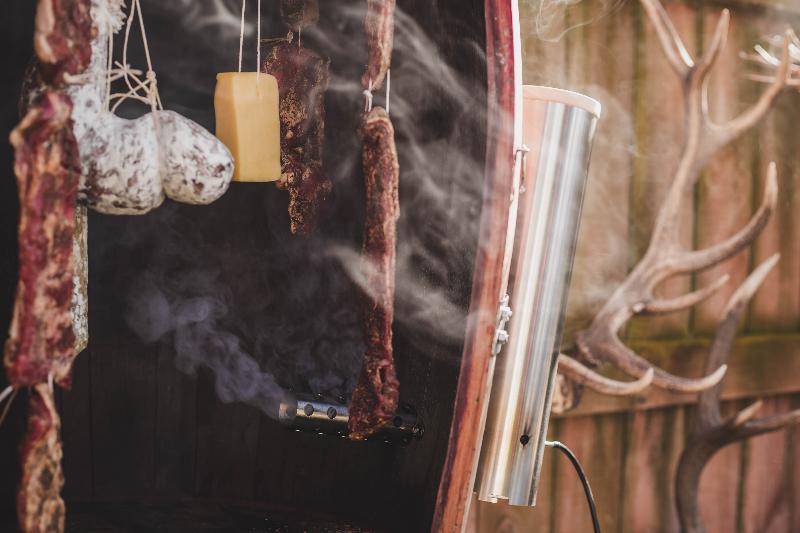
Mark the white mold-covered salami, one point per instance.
(196, 167)
(128, 166)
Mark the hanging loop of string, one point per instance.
(145, 89)
(9, 393)
(368, 94)
(368, 97)
(258, 39)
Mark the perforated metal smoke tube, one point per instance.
(558, 128)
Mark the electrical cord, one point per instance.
(582, 475)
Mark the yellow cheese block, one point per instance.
(248, 122)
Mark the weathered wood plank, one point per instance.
(776, 307)
(227, 443)
(720, 483)
(765, 478)
(455, 485)
(602, 254)
(175, 427)
(651, 448)
(725, 199)
(759, 365)
(597, 442)
(123, 417)
(658, 105)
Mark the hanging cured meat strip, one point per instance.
(374, 400)
(62, 38)
(41, 340)
(379, 25)
(302, 76)
(297, 14)
(41, 343)
(40, 508)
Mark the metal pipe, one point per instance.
(558, 129)
(318, 415)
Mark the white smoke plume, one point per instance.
(269, 313)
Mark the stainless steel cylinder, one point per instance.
(318, 415)
(558, 129)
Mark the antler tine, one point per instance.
(720, 135)
(702, 259)
(685, 301)
(767, 424)
(715, 46)
(721, 347)
(704, 444)
(672, 44)
(763, 78)
(584, 375)
(617, 353)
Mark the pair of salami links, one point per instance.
(129, 166)
(376, 395)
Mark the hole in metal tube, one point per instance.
(332, 413)
(308, 409)
(525, 439)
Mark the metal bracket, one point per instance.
(522, 151)
(500, 334)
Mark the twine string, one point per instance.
(139, 89)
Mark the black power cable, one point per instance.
(582, 475)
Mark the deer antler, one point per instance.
(665, 256)
(767, 60)
(711, 432)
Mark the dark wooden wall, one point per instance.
(135, 427)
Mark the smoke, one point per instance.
(270, 314)
(551, 20)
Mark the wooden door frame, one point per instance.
(504, 133)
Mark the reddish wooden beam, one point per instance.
(490, 278)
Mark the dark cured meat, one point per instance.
(297, 14)
(375, 397)
(40, 508)
(41, 340)
(41, 343)
(63, 38)
(302, 76)
(379, 25)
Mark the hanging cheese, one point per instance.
(246, 106)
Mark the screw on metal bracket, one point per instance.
(504, 314)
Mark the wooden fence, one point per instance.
(630, 446)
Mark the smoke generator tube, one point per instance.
(558, 129)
